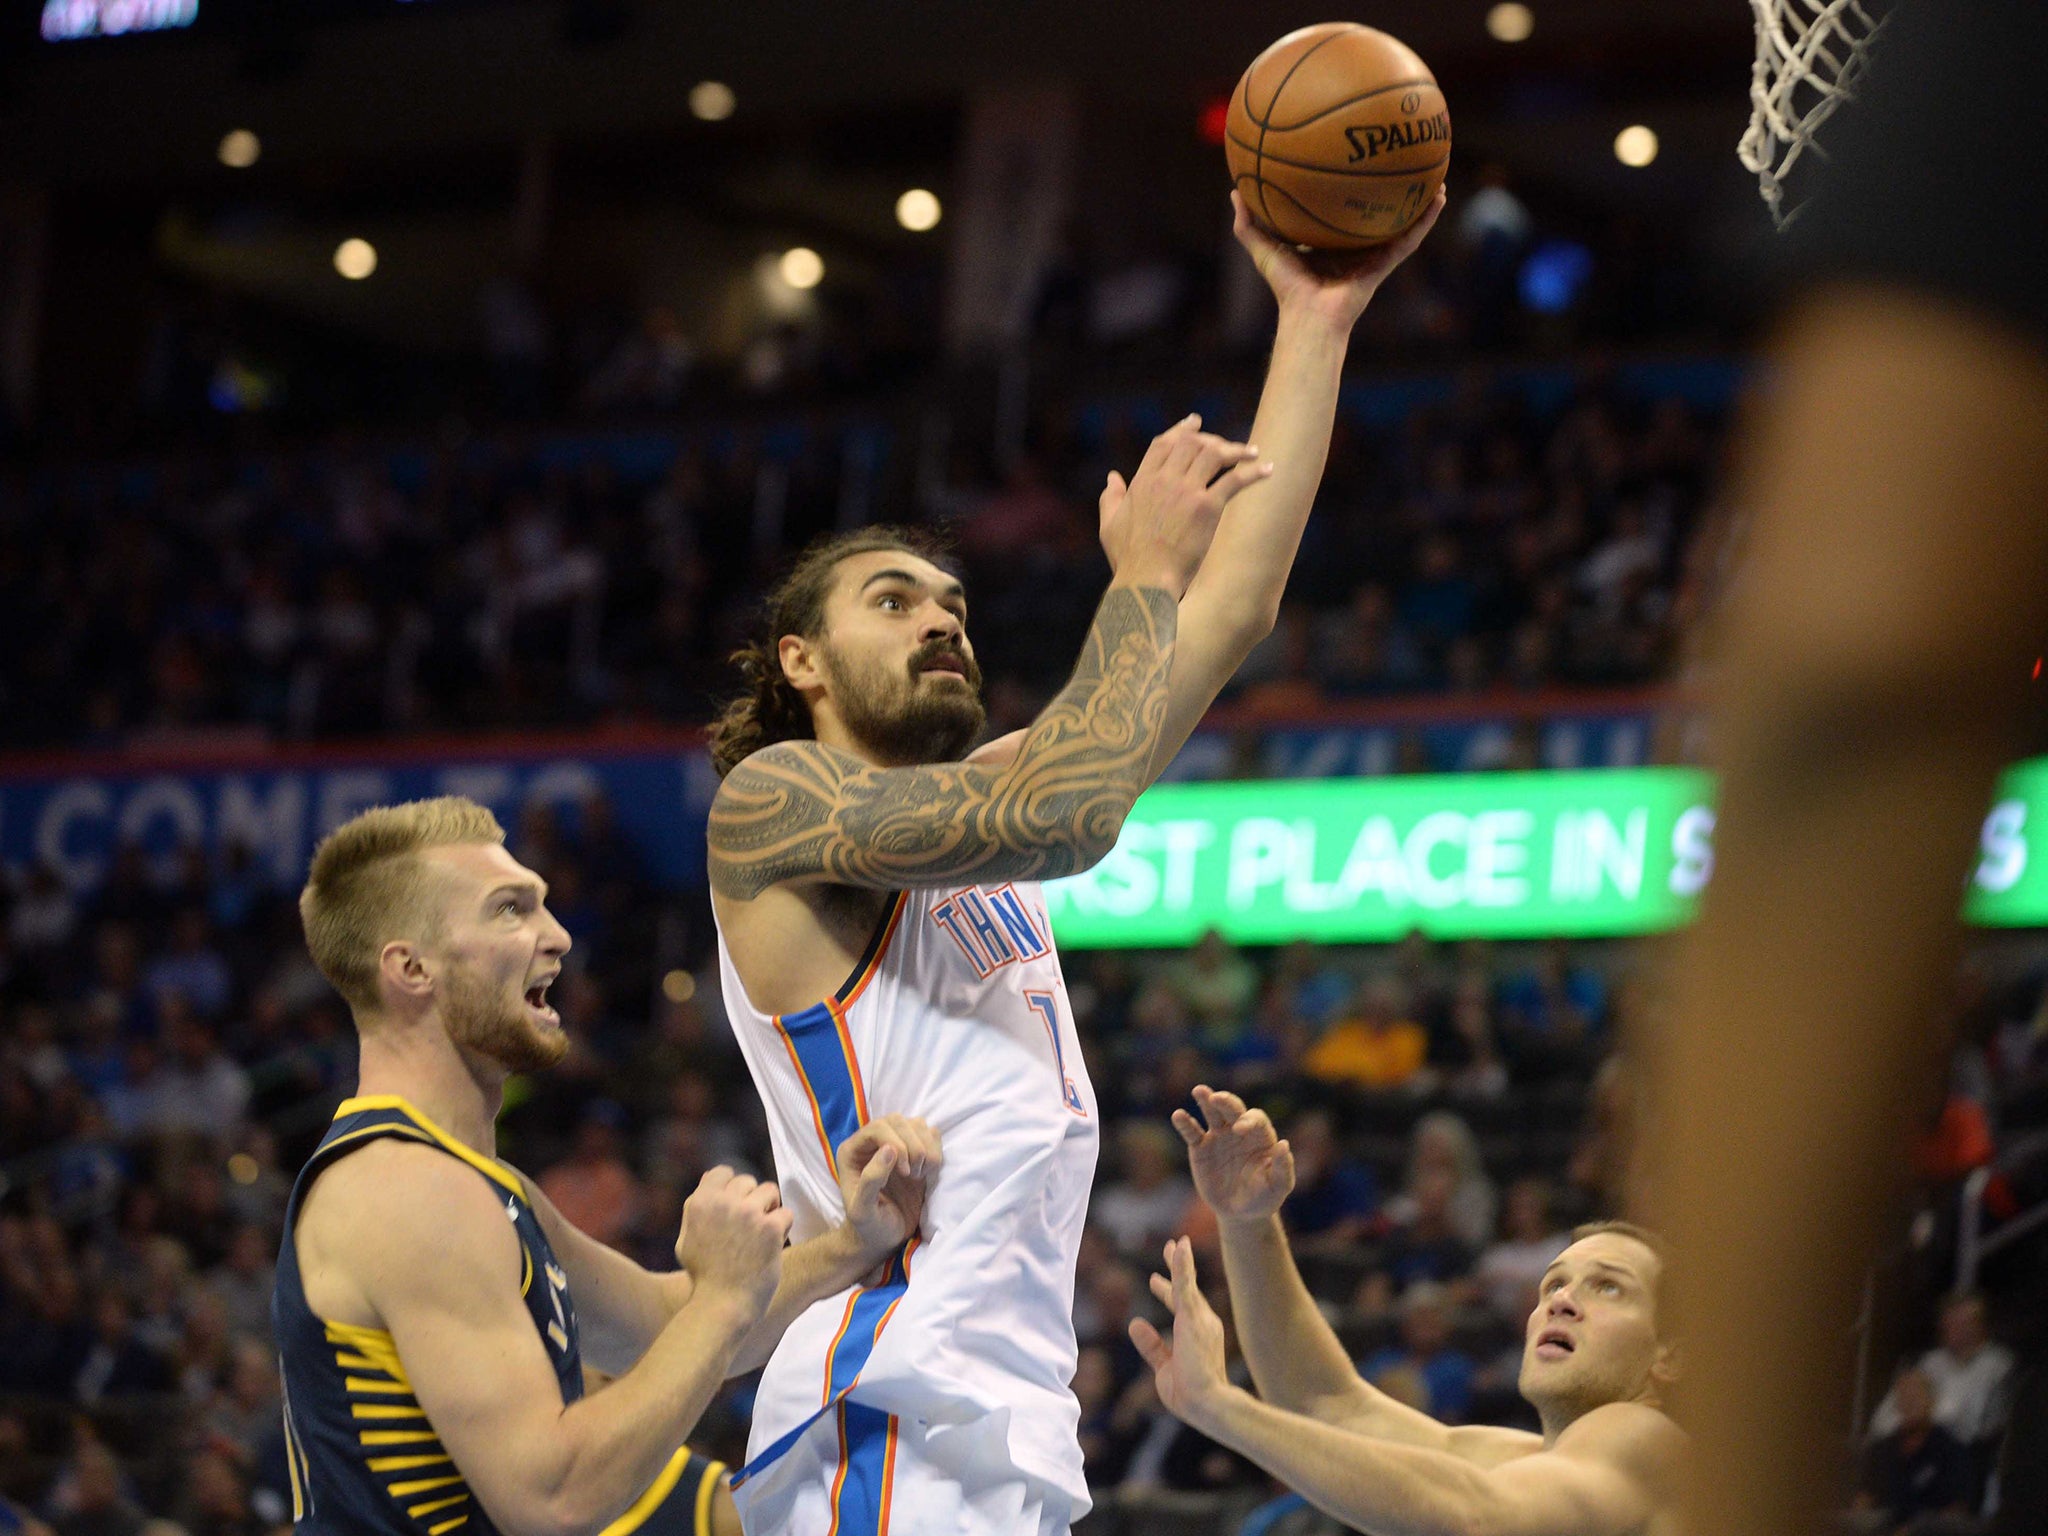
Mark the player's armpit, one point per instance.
(802, 812)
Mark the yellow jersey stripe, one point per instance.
(421, 1485)
(484, 1165)
(397, 1436)
(384, 1411)
(433, 1504)
(403, 1463)
(651, 1500)
(447, 1525)
(292, 1456)
(712, 1473)
(366, 1384)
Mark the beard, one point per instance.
(479, 1019)
(896, 717)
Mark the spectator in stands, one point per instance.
(1971, 1375)
(593, 1187)
(90, 1498)
(193, 967)
(1425, 1351)
(1144, 1205)
(1915, 1480)
(198, 1087)
(1510, 1267)
(1336, 1199)
(1217, 986)
(118, 1364)
(1442, 1144)
(1425, 1243)
(1374, 1045)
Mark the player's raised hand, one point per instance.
(1157, 528)
(1190, 1372)
(1335, 285)
(1242, 1168)
(885, 1170)
(734, 1228)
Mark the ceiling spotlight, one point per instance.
(239, 149)
(1635, 146)
(1510, 22)
(801, 267)
(355, 259)
(712, 101)
(917, 209)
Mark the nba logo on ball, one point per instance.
(1337, 137)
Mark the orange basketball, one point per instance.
(1338, 137)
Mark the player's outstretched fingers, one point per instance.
(1152, 1349)
(1213, 453)
(1220, 1107)
(1183, 440)
(1162, 1289)
(1253, 1122)
(1180, 1261)
(1190, 1128)
(1238, 476)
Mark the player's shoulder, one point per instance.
(393, 1203)
(1634, 1437)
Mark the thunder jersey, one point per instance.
(364, 1457)
(956, 1014)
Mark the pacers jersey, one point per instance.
(364, 1457)
(957, 1014)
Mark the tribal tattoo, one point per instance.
(800, 810)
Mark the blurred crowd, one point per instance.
(1488, 540)
(168, 1056)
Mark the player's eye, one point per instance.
(889, 599)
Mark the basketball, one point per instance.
(1337, 137)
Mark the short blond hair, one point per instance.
(366, 885)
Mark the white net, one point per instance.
(1809, 54)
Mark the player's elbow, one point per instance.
(562, 1512)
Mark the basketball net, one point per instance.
(1809, 55)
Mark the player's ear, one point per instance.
(402, 969)
(799, 662)
(1668, 1365)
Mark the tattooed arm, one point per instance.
(804, 812)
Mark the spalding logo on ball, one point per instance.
(1338, 137)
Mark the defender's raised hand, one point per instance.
(1242, 1168)
(1335, 284)
(1156, 529)
(885, 1170)
(1191, 1371)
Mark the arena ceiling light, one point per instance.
(1635, 146)
(712, 101)
(801, 267)
(240, 149)
(355, 259)
(918, 210)
(1510, 22)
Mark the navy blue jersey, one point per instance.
(365, 1459)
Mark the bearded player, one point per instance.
(884, 946)
(434, 1310)
(1594, 1365)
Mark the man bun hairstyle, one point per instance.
(769, 709)
(366, 887)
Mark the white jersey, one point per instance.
(957, 1014)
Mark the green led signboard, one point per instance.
(1604, 853)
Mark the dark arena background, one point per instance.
(406, 397)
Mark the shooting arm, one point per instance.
(807, 813)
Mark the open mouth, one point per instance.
(1553, 1344)
(537, 1001)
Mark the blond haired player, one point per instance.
(434, 1311)
(884, 945)
(1594, 1365)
